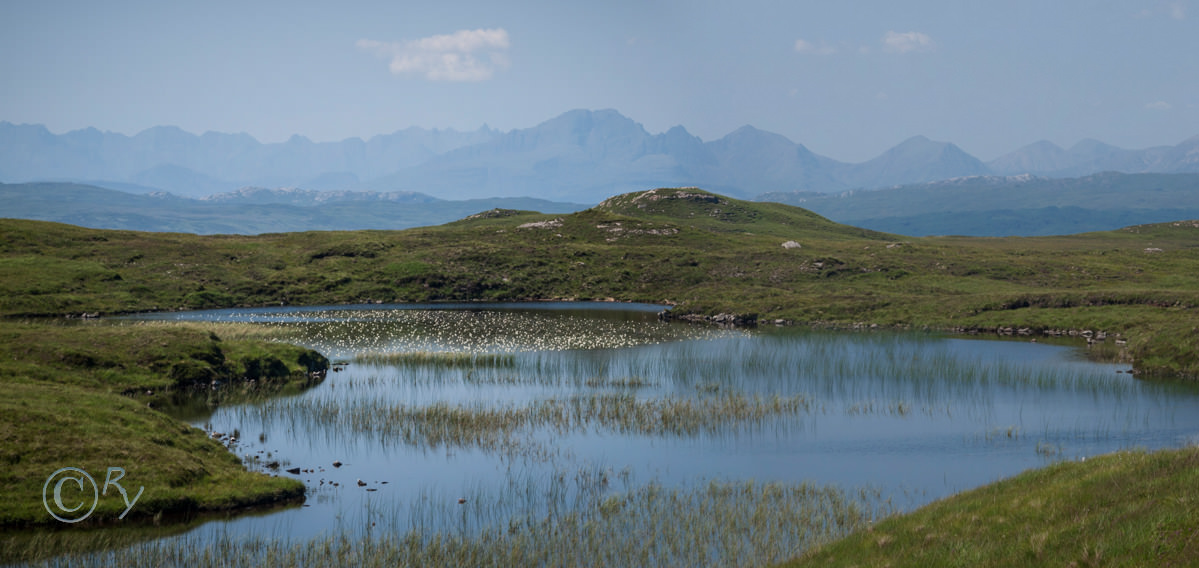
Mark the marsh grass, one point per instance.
(436, 359)
(570, 519)
(1000, 433)
(619, 382)
(892, 408)
(228, 330)
(496, 426)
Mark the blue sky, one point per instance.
(847, 79)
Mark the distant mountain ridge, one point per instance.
(580, 156)
(1092, 156)
(311, 197)
(169, 158)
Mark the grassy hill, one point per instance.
(706, 254)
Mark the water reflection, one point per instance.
(593, 388)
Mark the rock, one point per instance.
(551, 224)
(792, 245)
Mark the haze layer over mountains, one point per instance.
(581, 156)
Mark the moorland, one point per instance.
(1129, 294)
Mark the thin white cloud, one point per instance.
(1174, 10)
(1159, 105)
(465, 55)
(1178, 11)
(807, 47)
(907, 42)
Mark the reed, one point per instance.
(567, 520)
(621, 382)
(495, 426)
(436, 359)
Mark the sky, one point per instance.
(847, 79)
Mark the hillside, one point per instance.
(1128, 508)
(975, 206)
(703, 253)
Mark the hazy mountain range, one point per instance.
(581, 156)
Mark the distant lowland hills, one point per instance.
(166, 179)
(974, 206)
(248, 211)
(1023, 205)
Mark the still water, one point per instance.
(611, 390)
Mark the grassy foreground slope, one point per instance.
(1123, 509)
(85, 396)
(704, 253)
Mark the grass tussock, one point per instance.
(498, 427)
(436, 359)
(1130, 508)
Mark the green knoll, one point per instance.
(704, 253)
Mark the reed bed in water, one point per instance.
(717, 523)
(454, 359)
(492, 426)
